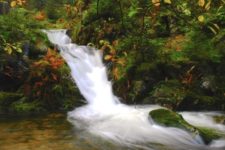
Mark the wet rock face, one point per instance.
(4, 8)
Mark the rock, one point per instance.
(169, 118)
(208, 134)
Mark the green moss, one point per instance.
(169, 118)
(6, 98)
(208, 134)
(24, 107)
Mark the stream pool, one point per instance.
(50, 132)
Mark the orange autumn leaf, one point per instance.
(54, 60)
(40, 16)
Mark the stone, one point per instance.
(169, 118)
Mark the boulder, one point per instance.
(169, 118)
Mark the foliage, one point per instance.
(49, 81)
(16, 42)
(25, 66)
(10, 48)
(111, 57)
(22, 106)
(201, 48)
(7, 98)
(157, 51)
(12, 31)
(169, 93)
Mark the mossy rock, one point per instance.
(169, 118)
(208, 134)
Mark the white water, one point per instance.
(106, 117)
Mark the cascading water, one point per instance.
(106, 117)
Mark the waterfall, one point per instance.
(104, 116)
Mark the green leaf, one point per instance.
(201, 3)
(18, 49)
(201, 18)
(8, 49)
(167, 1)
(132, 12)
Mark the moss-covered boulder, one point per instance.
(169, 118)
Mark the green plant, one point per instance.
(10, 48)
(49, 81)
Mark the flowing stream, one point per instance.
(104, 116)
